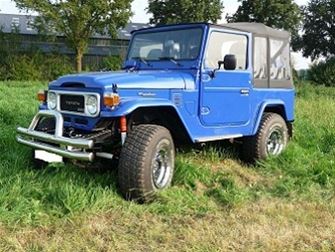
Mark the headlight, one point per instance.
(52, 100)
(92, 104)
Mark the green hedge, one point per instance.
(112, 63)
(38, 66)
(35, 66)
(323, 73)
(21, 63)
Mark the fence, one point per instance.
(98, 50)
(14, 45)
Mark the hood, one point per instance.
(130, 80)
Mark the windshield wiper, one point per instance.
(172, 59)
(141, 60)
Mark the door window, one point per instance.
(222, 44)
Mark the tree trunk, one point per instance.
(79, 59)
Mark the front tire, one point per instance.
(146, 163)
(271, 139)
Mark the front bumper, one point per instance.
(72, 148)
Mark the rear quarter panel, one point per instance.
(265, 98)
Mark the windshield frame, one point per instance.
(168, 28)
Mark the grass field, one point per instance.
(216, 203)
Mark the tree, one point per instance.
(319, 29)
(281, 14)
(78, 20)
(184, 11)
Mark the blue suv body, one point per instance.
(180, 83)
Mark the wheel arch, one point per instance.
(166, 116)
(274, 106)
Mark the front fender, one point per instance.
(128, 106)
(264, 105)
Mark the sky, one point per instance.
(141, 16)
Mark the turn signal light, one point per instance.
(42, 96)
(111, 99)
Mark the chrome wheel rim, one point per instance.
(275, 141)
(162, 165)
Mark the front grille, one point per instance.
(72, 103)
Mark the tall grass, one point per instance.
(309, 162)
(207, 180)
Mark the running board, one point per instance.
(216, 138)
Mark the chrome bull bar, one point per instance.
(32, 138)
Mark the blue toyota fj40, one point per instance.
(180, 83)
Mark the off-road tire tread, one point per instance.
(251, 148)
(131, 177)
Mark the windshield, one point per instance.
(167, 45)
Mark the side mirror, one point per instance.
(229, 62)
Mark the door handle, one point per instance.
(244, 91)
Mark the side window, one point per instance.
(280, 60)
(260, 58)
(222, 44)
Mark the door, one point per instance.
(225, 97)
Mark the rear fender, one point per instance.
(264, 106)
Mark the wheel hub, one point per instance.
(275, 141)
(161, 166)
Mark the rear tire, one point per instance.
(146, 163)
(271, 139)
